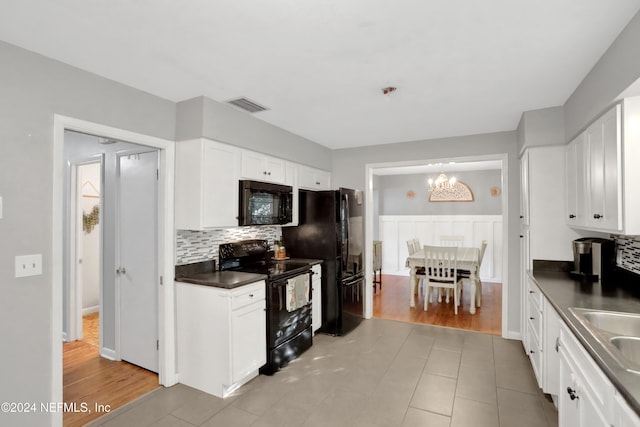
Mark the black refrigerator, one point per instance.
(331, 228)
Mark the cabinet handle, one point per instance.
(572, 216)
(521, 216)
(531, 351)
(269, 173)
(557, 343)
(572, 393)
(521, 236)
(264, 172)
(250, 295)
(532, 318)
(532, 292)
(597, 216)
(317, 183)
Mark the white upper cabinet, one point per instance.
(206, 184)
(605, 189)
(576, 173)
(260, 167)
(602, 169)
(524, 188)
(314, 179)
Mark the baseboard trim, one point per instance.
(513, 335)
(90, 310)
(107, 353)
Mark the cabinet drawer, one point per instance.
(248, 294)
(534, 319)
(535, 355)
(534, 293)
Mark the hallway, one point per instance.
(92, 380)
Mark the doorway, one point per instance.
(111, 316)
(164, 345)
(499, 290)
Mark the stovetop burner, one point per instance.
(253, 256)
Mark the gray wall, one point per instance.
(204, 117)
(541, 127)
(349, 171)
(393, 198)
(618, 68)
(33, 88)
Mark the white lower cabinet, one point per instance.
(585, 393)
(623, 415)
(221, 336)
(316, 295)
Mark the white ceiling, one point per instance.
(461, 66)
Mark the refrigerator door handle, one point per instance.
(344, 214)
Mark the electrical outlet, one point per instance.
(28, 265)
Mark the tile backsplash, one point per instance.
(628, 252)
(197, 246)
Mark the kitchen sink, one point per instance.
(627, 324)
(617, 332)
(629, 347)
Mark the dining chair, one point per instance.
(442, 272)
(413, 246)
(466, 274)
(449, 240)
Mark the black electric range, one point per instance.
(289, 330)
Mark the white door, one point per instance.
(137, 270)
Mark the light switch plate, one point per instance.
(28, 265)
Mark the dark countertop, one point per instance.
(204, 273)
(222, 279)
(564, 292)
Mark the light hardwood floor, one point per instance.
(392, 303)
(93, 380)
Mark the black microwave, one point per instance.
(262, 203)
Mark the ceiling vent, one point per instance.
(247, 105)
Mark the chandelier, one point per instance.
(442, 182)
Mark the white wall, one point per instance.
(395, 230)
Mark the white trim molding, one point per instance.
(166, 250)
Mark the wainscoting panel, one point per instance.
(395, 230)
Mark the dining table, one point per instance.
(467, 258)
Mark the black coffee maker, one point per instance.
(593, 259)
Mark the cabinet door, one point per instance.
(248, 340)
(307, 178)
(220, 185)
(571, 184)
(323, 180)
(253, 166)
(550, 354)
(624, 416)
(605, 189)
(261, 167)
(275, 169)
(524, 188)
(568, 409)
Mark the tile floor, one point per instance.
(385, 373)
